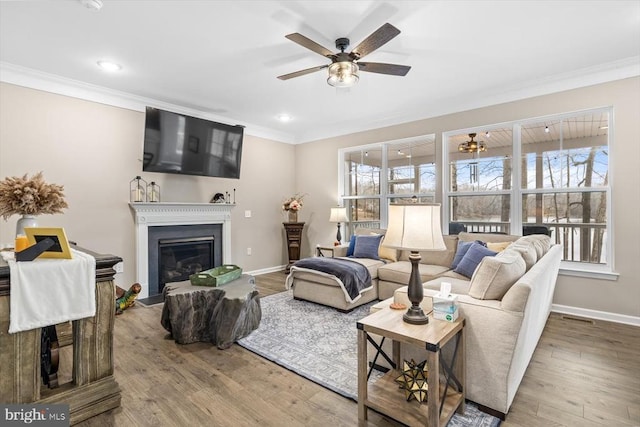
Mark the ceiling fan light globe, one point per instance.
(343, 74)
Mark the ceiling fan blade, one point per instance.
(301, 72)
(377, 39)
(310, 44)
(381, 68)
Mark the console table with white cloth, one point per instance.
(51, 291)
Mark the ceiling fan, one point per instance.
(344, 67)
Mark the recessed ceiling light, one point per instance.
(603, 127)
(109, 66)
(284, 117)
(92, 4)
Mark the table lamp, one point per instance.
(338, 215)
(415, 227)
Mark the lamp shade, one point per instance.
(414, 227)
(338, 215)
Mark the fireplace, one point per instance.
(180, 258)
(172, 222)
(178, 251)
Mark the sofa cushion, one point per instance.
(459, 286)
(526, 251)
(541, 243)
(463, 247)
(472, 258)
(399, 272)
(443, 258)
(495, 276)
(452, 274)
(367, 246)
(371, 264)
(498, 246)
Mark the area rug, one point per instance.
(320, 343)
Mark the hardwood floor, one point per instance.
(582, 374)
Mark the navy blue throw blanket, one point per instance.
(353, 275)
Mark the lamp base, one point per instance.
(415, 316)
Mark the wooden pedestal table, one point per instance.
(445, 393)
(220, 315)
(294, 242)
(93, 389)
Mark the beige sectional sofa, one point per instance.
(501, 332)
(501, 335)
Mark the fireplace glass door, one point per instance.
(180, 258)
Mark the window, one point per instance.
(479, 187)
(559, 185)
(565, 166)
(388, 172)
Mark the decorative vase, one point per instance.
(293, 215)
(25, 221)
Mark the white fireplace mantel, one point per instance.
(167, 214)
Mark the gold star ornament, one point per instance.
(413, 380)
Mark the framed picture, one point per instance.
(60, 248)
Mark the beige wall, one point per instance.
(94, 150)
(317, 175)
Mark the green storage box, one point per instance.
(216, 276)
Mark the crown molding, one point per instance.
(601, 73)
(34, 79)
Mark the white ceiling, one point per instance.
(221, 58)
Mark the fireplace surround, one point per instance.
(170, 215)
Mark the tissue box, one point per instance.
(445, 307)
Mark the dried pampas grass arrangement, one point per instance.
(30, 196)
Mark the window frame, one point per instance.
(517, 192)
(384, 196)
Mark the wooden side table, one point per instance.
(294, 241)
(445, 390)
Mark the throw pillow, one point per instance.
(461, 251)
(495, 276)
(541, 242)
(527, 251)
(367, 246)
(385, 252)
(472, 258)
(352, 244)
(498, 246)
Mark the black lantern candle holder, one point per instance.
(138, 190)
(153, 192)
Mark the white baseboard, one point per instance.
(267, 270)
(595, 314)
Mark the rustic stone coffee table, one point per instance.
(220, 315)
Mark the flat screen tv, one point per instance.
(176, 143)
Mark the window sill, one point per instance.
(588, 271)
